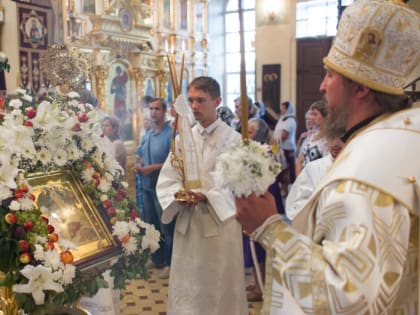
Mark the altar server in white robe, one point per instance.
(310, 177)
(353, 249)
(207, 274)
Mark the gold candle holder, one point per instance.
(177, 161)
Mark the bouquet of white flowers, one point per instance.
(246, 168)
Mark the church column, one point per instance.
(101, 73)
(139, 76)
(162, 79)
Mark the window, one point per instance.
(317, 17)
(232, 56)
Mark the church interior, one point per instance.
(94, 46)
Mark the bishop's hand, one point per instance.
(252, 211)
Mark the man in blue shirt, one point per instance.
(154, 149)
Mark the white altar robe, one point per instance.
(305, 184)
(207, 272)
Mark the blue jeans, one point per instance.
(152, 213)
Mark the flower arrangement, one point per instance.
(62, 133)
(246, 168)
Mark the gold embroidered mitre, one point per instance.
(377, 44)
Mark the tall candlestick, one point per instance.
(243, 98)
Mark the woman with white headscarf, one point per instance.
(285, 137)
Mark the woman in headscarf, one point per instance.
(285, 137)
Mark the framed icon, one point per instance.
(126, 20)
(61, 197)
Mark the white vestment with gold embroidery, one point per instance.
(354, 247)
(207, 271)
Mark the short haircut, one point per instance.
(263, 131)
(321, 107)
(206, 84)
(250, 103)
(114, 121)
(162, 101)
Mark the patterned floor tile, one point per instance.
(148, 297)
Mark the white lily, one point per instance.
(40, 279)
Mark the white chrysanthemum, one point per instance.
(52, 259)
(120, 229)
(86, 175)
(87, 144)
(73, 152)
(26, 203)
(14, 205)
(60, 157)
(41, 240)
(69, 272)
(151, 239)
(133, 227)
(141, 223)
(130, 247)
(39, 252)
(44, 156)
(246, 169)
(97, 157)
(15, 103)
(104, 185)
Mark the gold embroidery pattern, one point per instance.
(390, 249)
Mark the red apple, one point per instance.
(25, 258)
(134, 214)
(83, 117)
(66, 257)
(49, 245)
(28, 225)
(118, 197)
(44, 218)
(76, 127)
(18, 194)
(23, 188)
(112, 212)
(19, 232)
(53, 237)
(30, 112)
(24, 245)
(50, 228)
(10, 218)
(107, 203)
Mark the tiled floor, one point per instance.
(148, 297)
